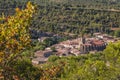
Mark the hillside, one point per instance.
(59, 40)
(71, 16)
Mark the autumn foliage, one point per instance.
(14, 35)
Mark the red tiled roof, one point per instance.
(98, 42)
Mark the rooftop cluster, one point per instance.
(76, 47)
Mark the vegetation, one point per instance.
(117, 33)
(100, 66)
(14, 38)
(68, 18)
(76, 16)
(61, 16)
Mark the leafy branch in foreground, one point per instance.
(14, 37)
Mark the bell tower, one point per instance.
(82, 47)
(82, 40)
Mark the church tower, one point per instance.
(82, 40)
(82, 47)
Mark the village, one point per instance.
(75, 47)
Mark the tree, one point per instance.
(14, 38)
(117, 33)
(25, 70)
(53, 58)
(112, 53)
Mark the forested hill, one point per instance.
(92, 3)
(58, 16)
(70, 16)
(101, 4)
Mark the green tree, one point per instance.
(25, 70)
(117, 33)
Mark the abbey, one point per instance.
(91, 45)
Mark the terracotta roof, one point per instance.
(98, 42)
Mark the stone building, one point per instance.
(92, 45)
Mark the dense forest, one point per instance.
(71, 16)
(59, 16)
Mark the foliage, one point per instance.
(74, 16)
(14, 37)
(59, 17)
(25, 70)
(53, 58)
(117, 33)
(99, 66)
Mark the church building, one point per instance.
(91, 45)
